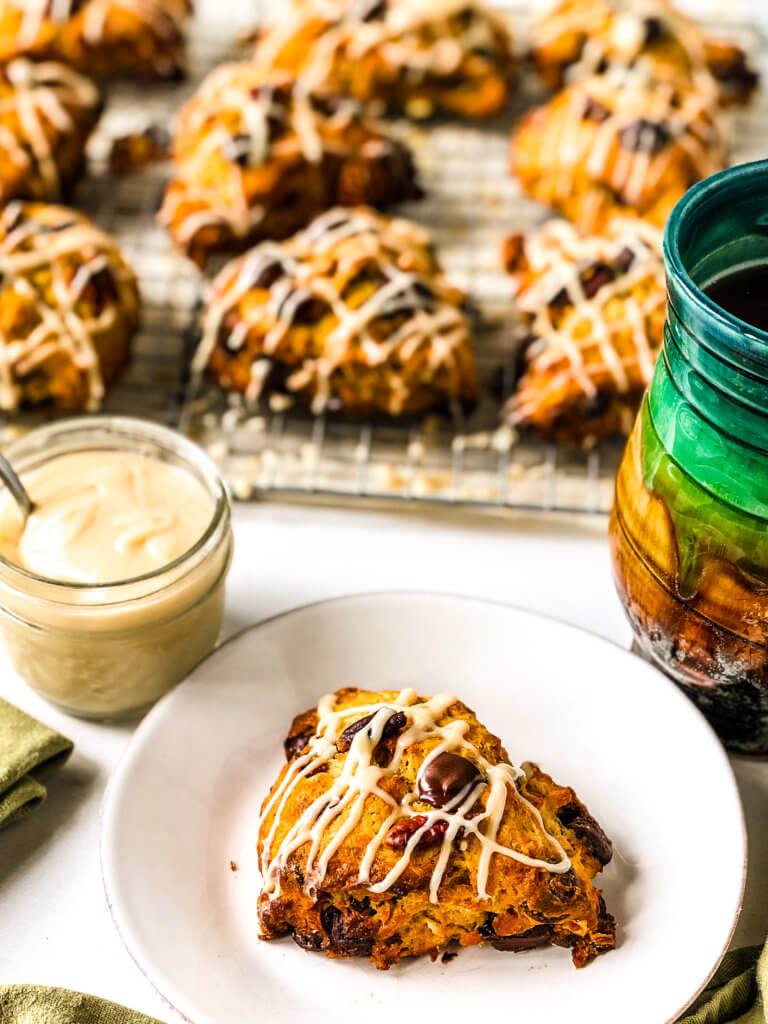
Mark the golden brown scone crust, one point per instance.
(413, 55)
(104, 38)
(68, 309)
(258, 157)
(352, 313)
(617, 144)
(527, 906)
(47, 113)
(594, 308)
(577, 38)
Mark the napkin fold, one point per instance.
(29, 752)
(37, 1004)
(738, 992)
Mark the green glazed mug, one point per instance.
(689, 529)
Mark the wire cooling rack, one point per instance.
(472, 202)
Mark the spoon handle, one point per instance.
(10, 477)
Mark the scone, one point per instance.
(618, 144)
(258, 157)
(577, 38)
(47, 113)
(68, 309)
(353, 313)
(418, 56)
(141, 38)
(399, 825)
(595, 309)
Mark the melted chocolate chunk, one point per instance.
(445, 777)
(624, 260)
(594, 277)
(655, 30)
(101, 289)
(362, 906)
(293, 745)
(347, 937)
(560, 300)
(268, 275)
(538, 936)
(308, 940)
(644, 136)
(394, 725)
(584, 826)
(595, 111)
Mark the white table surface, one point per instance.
(54, 924)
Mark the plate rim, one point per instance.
(147, 722)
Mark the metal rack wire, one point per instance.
(472, 202)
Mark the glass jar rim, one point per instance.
(743, 337)
(129, 429)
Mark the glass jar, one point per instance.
(103, 650)
(689, 530)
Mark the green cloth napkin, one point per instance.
(737, 994)
(36, 1004)
(29, 752)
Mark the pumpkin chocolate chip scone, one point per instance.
(573, 39)
(419, 56)
(68, 309)
(618, 143)
(594, 307)
(47, 113)
(258, 156)
(141, 38)
(399, 825)
(351, 313)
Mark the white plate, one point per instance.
(184, 802)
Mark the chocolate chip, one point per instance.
(347, 937)
(595, 277)
(540, 935)
(101, 289)
(560, 300)
(625, 259)
(583, 825)
(371, 10)
(595, 111)
(445, 777)
(393, 725)
(268, 274)
(362, 906)
(644, 136)
(293, 745)
(448, 956)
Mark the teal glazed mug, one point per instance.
(689, 529)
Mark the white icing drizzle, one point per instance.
(312, 264)
(164, 17)
(26, 249)
(251, 120)
(344, 801)
(42, 93)
(557, 256)
(396, 34)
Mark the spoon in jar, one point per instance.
(11, 479)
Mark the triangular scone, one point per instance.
(594, 307)
(398, 825)
(618, 144)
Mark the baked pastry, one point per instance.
(618, 144)
(594, 309)
(420, 56)
(577, 38)
(141, 38)
(47, 113)
(352, 313)
(398, 825)
(68, 308)
(260, 157)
